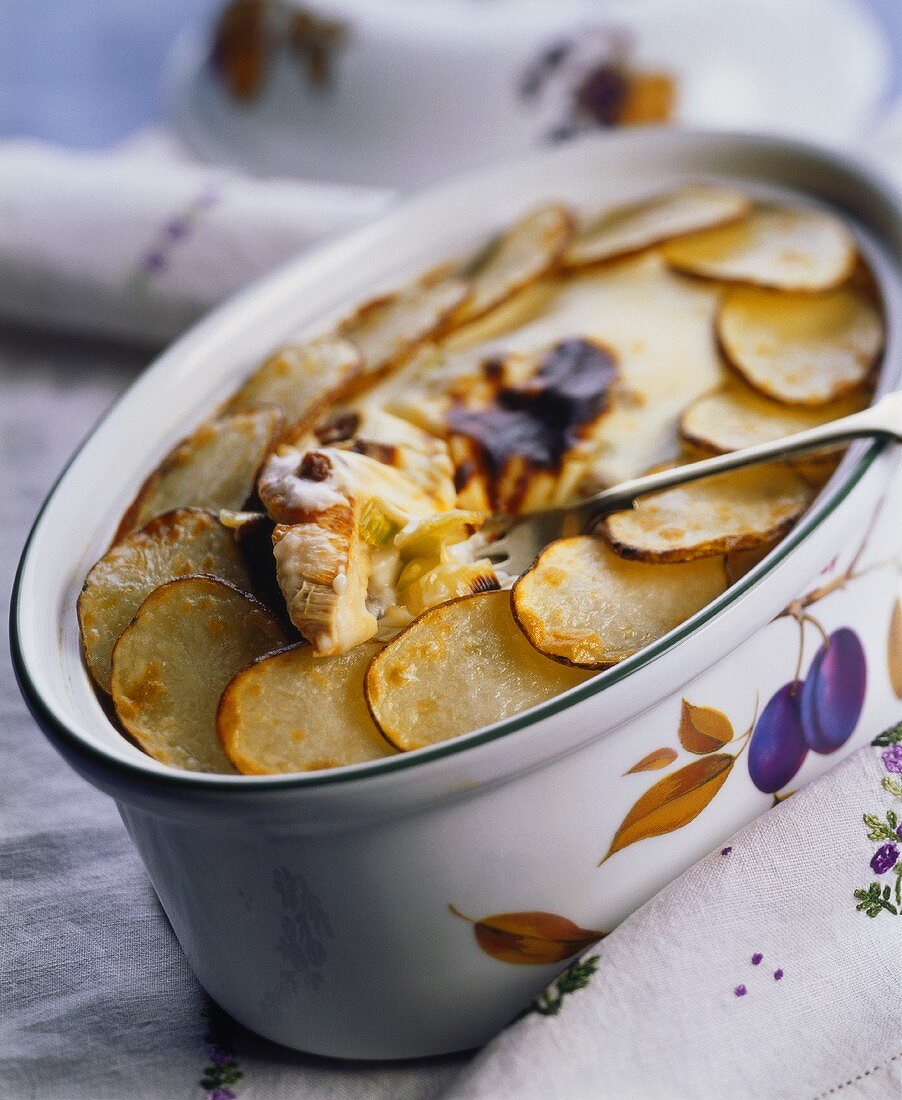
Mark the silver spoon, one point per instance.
(522, 538)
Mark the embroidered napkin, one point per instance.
(770, 969)
(139, 241)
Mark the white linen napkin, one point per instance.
(139, 241)
(771, 969)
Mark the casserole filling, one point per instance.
(328, 533)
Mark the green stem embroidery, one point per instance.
(576, 976)
(873, 900)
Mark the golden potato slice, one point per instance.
(388, 329)
(458, 667)
(518, 257)
(302, 379)
(781, 247)
(737, 416)
(635, 226)
(733, 511)
(296, 712)
(188, 540)
(213, 468)
(801, 349)
(170, 666)
(582, 604)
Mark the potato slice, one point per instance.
(170, 666)
(635, 226)
(582, 604)
(737, 416)
(458, 667)
(781, 247)
(302, 379)
(714, 515)
(388, 329)
(801, 349)
(296, 712)
(521, 255)
(187, 540)
(213, 468)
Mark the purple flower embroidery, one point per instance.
(756, 958)
(884, 859)
(726, 851)
(740, 991)
(778, 974)
(892, 759)
(153, 263)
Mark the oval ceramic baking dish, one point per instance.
(414, 905)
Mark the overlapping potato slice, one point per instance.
(215, 467)
(736, 417)
(458, 667)
(787, 248)
(388, 329)
(802, 349)
(733, 511)
(523, 253)
(187, 540)
(170, 666)
(302, 379)
(296, 712)
(582, 604)
(635, 226)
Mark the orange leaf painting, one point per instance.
(894, 648)
(704, 729)
(532, 938)
(673, 801)
(656, 759)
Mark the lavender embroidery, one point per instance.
(879, 897)
(222, 1068)
(156, 260)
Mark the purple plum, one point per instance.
(833, 694)
(778, 747)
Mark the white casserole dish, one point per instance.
(315, 908)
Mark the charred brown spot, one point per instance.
(539, 421)
(381, 452)
(463, 473)
(315, 466)
(338, 429)
(485, 583)
(493, 369)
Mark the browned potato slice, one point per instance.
(458, 667)
(784, 248)
(388, 329)
(733, 511)
(188, 540)
(213, 468)
(302, 379)
(582, 604)
(296, 712)
(522, 254)
(736, 417)
(638, 225)
(170, 666)
(801, 349)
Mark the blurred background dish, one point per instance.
(403, 93)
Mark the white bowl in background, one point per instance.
(315, 907)
(424, 89)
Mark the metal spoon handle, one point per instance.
(884, 419)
